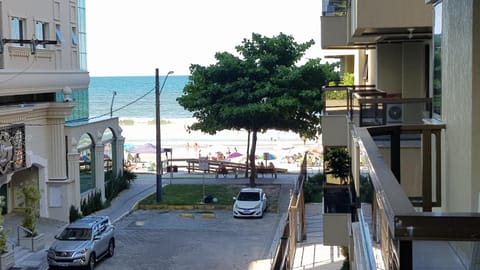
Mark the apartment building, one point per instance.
(46, 134)
(413, 127)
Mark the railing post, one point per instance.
(427, 170)
(406, 256)
(395, 152)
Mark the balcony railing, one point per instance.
(366, 105)
(396, 224)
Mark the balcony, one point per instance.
(380, 20)
(359, 24)
(365, 105)
(400, 151)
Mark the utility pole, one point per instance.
(158, 139)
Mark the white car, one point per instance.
(250, 202)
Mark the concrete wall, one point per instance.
(461, 103)
(334, 130)
(391, 13)
(410, 169)
(400, 69)
(389, 68)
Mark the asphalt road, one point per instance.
(191, 240)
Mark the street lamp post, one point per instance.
(111, 104)
(158, 91)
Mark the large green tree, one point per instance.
(261, 87)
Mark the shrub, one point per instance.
(113, 186)
(127, 122)
(92, 203)
(3, 235)
(31, 196)
(74, 214)
(313, 188)
(346, 262)
(366, 189)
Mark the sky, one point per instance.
(133, 38)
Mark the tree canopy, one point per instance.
(261, 88)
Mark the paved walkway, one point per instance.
(311, 253)
(144, 185)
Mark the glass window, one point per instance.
(16, 28)
(59, 34)
(437, 58)
(74, 36)
(40, 30)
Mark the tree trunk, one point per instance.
(246, 160)
(253, 174)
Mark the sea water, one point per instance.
(134, 97)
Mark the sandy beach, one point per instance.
(174, 135)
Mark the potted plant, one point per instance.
(338, 162)
(31, 238)
(7, 258)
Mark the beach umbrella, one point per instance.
(316, 150)
(128, 147)
(234, 155)
(270, 156)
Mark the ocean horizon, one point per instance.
(135, 97)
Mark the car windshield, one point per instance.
(249, 196)
(75, 234)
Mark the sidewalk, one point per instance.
(144, 185)
(311, 253)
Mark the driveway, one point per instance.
(191, 240)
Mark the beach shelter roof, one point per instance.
(147, 148)
(234, 155)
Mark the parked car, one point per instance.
(83, 243)
(250, 202)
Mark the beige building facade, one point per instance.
(44, 116)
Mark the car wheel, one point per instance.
(91, 262)
(111, 248)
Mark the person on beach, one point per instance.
(222, 170)
(271, 166)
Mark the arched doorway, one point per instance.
(87, 163)
(109, 152)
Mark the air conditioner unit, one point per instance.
(394, 113)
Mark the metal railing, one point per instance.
(294, 228)
(364, 257)
(28, 232)
(395, 222)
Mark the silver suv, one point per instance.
(83, 243)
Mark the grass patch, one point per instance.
(193, 194)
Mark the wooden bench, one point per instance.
(263, 171)
(225, 172)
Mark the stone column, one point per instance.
(118, 166)
(56, 155)
(73, 158)
(99, 168)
